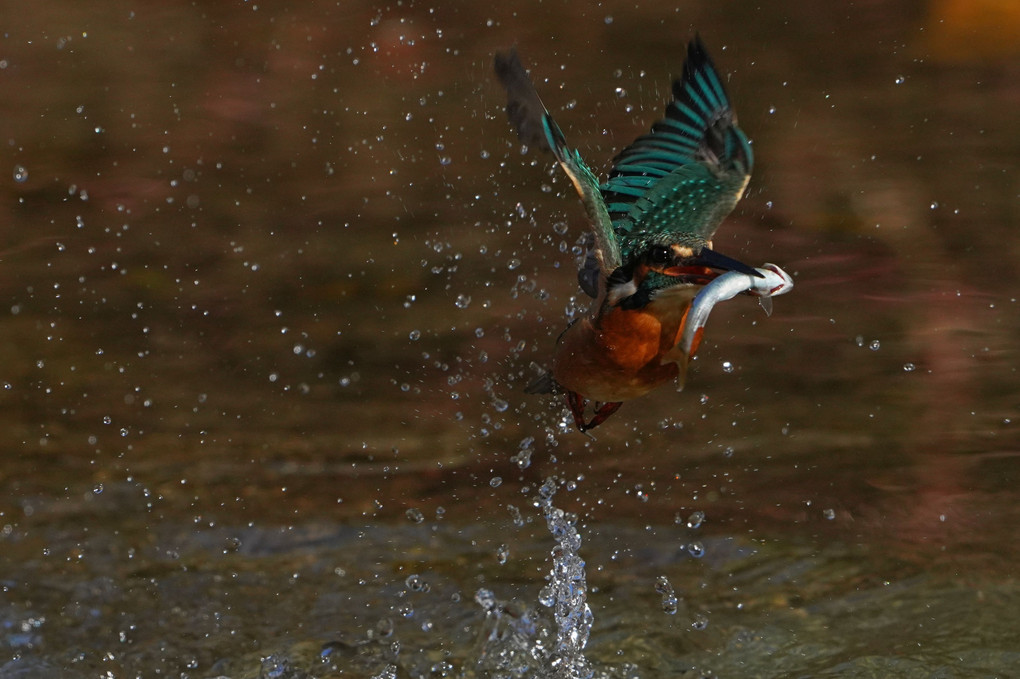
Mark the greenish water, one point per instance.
(273, 277)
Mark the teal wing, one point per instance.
(680, 180)
(536, 128)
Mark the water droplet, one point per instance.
(496, 481)
(699, 622)
(20, 174)
(415, 515)
(515, 516)
(414, 335)
(727, 367)
(829, 514)
(695, 520)
(875, 345)
(909, 367)
(502, 554)
(442, 669)
(462, 301)
(275, 666)
(486, 599)
(416, 583)
(669, 600)
(772, 109)
(522, 459)
(934, 205)
(900, 79)
(696, 549)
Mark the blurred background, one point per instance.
(273, 277)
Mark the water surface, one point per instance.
(273, 278)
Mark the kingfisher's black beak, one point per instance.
(715, 260)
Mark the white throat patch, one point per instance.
(620, 291)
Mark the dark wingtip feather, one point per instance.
(524, 108)
(721, 141)
(697, 59)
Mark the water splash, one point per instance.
(567, 590)
(522, 642)
(513, 643)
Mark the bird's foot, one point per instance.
(578, 403)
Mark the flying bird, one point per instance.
(651, 269)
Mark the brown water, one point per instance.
(273, 277)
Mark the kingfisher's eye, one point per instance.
(660, 254)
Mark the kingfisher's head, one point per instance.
(660, 266)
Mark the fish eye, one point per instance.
(660, 254)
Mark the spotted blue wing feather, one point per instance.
(680, 180)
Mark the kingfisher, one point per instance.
(650, 267)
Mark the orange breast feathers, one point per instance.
(619, 354)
